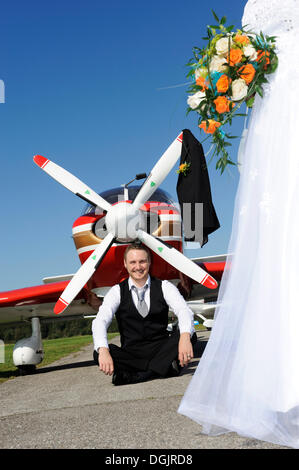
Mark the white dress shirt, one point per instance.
(111, 302)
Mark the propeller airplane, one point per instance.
(112, 220)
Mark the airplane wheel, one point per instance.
(26, 370)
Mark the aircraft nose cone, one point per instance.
(124, 220)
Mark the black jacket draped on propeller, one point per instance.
(194, 193)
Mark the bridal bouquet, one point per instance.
(229, 71)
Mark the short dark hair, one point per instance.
(137, 246)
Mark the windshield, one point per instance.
(117, 194)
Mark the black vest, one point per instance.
(133, 328)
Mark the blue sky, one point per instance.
(83, 86)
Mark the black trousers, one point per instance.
(155, 355)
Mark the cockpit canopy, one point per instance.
(117, 194)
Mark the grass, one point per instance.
(54, 349)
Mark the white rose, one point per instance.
(239, 89)
(222, 46)
(249, 51)
(195, 100)
(202, 72)
(216, 64)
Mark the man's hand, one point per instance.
(105, 361)
(185, 349)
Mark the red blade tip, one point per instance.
(40, 161)
(60, 306)
(210, 283)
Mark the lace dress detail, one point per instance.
(278, 18)
(272, 16)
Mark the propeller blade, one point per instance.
(83, 274)
(178, 260)
(70, 182)
(159, 172)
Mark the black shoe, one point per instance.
(125, 378)
(122, 378)
(143, 376)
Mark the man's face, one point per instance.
(137, 265)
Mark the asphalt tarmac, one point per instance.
(70, 404)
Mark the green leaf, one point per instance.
(274, 64)
(250, 102)
(260, 91)
(215, 16)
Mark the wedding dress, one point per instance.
(248, 378)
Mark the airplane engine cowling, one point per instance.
(29, 351)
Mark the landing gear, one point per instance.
(207, 323)
(28, 352)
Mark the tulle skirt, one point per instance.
(248, 378)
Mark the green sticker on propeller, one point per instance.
(160, 249)
(153, 184)
(87, 192)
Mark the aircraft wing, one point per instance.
(202, 301)
(218, 262)
(214, 265)
(21, 304)
(38, 301)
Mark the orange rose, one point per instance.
(222, 104)
(223, 84)
(213, 125)
(261, 55)
(247, 72)
(242, 39)
(200, 81)
(235, 56)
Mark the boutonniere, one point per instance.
(184, 168)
